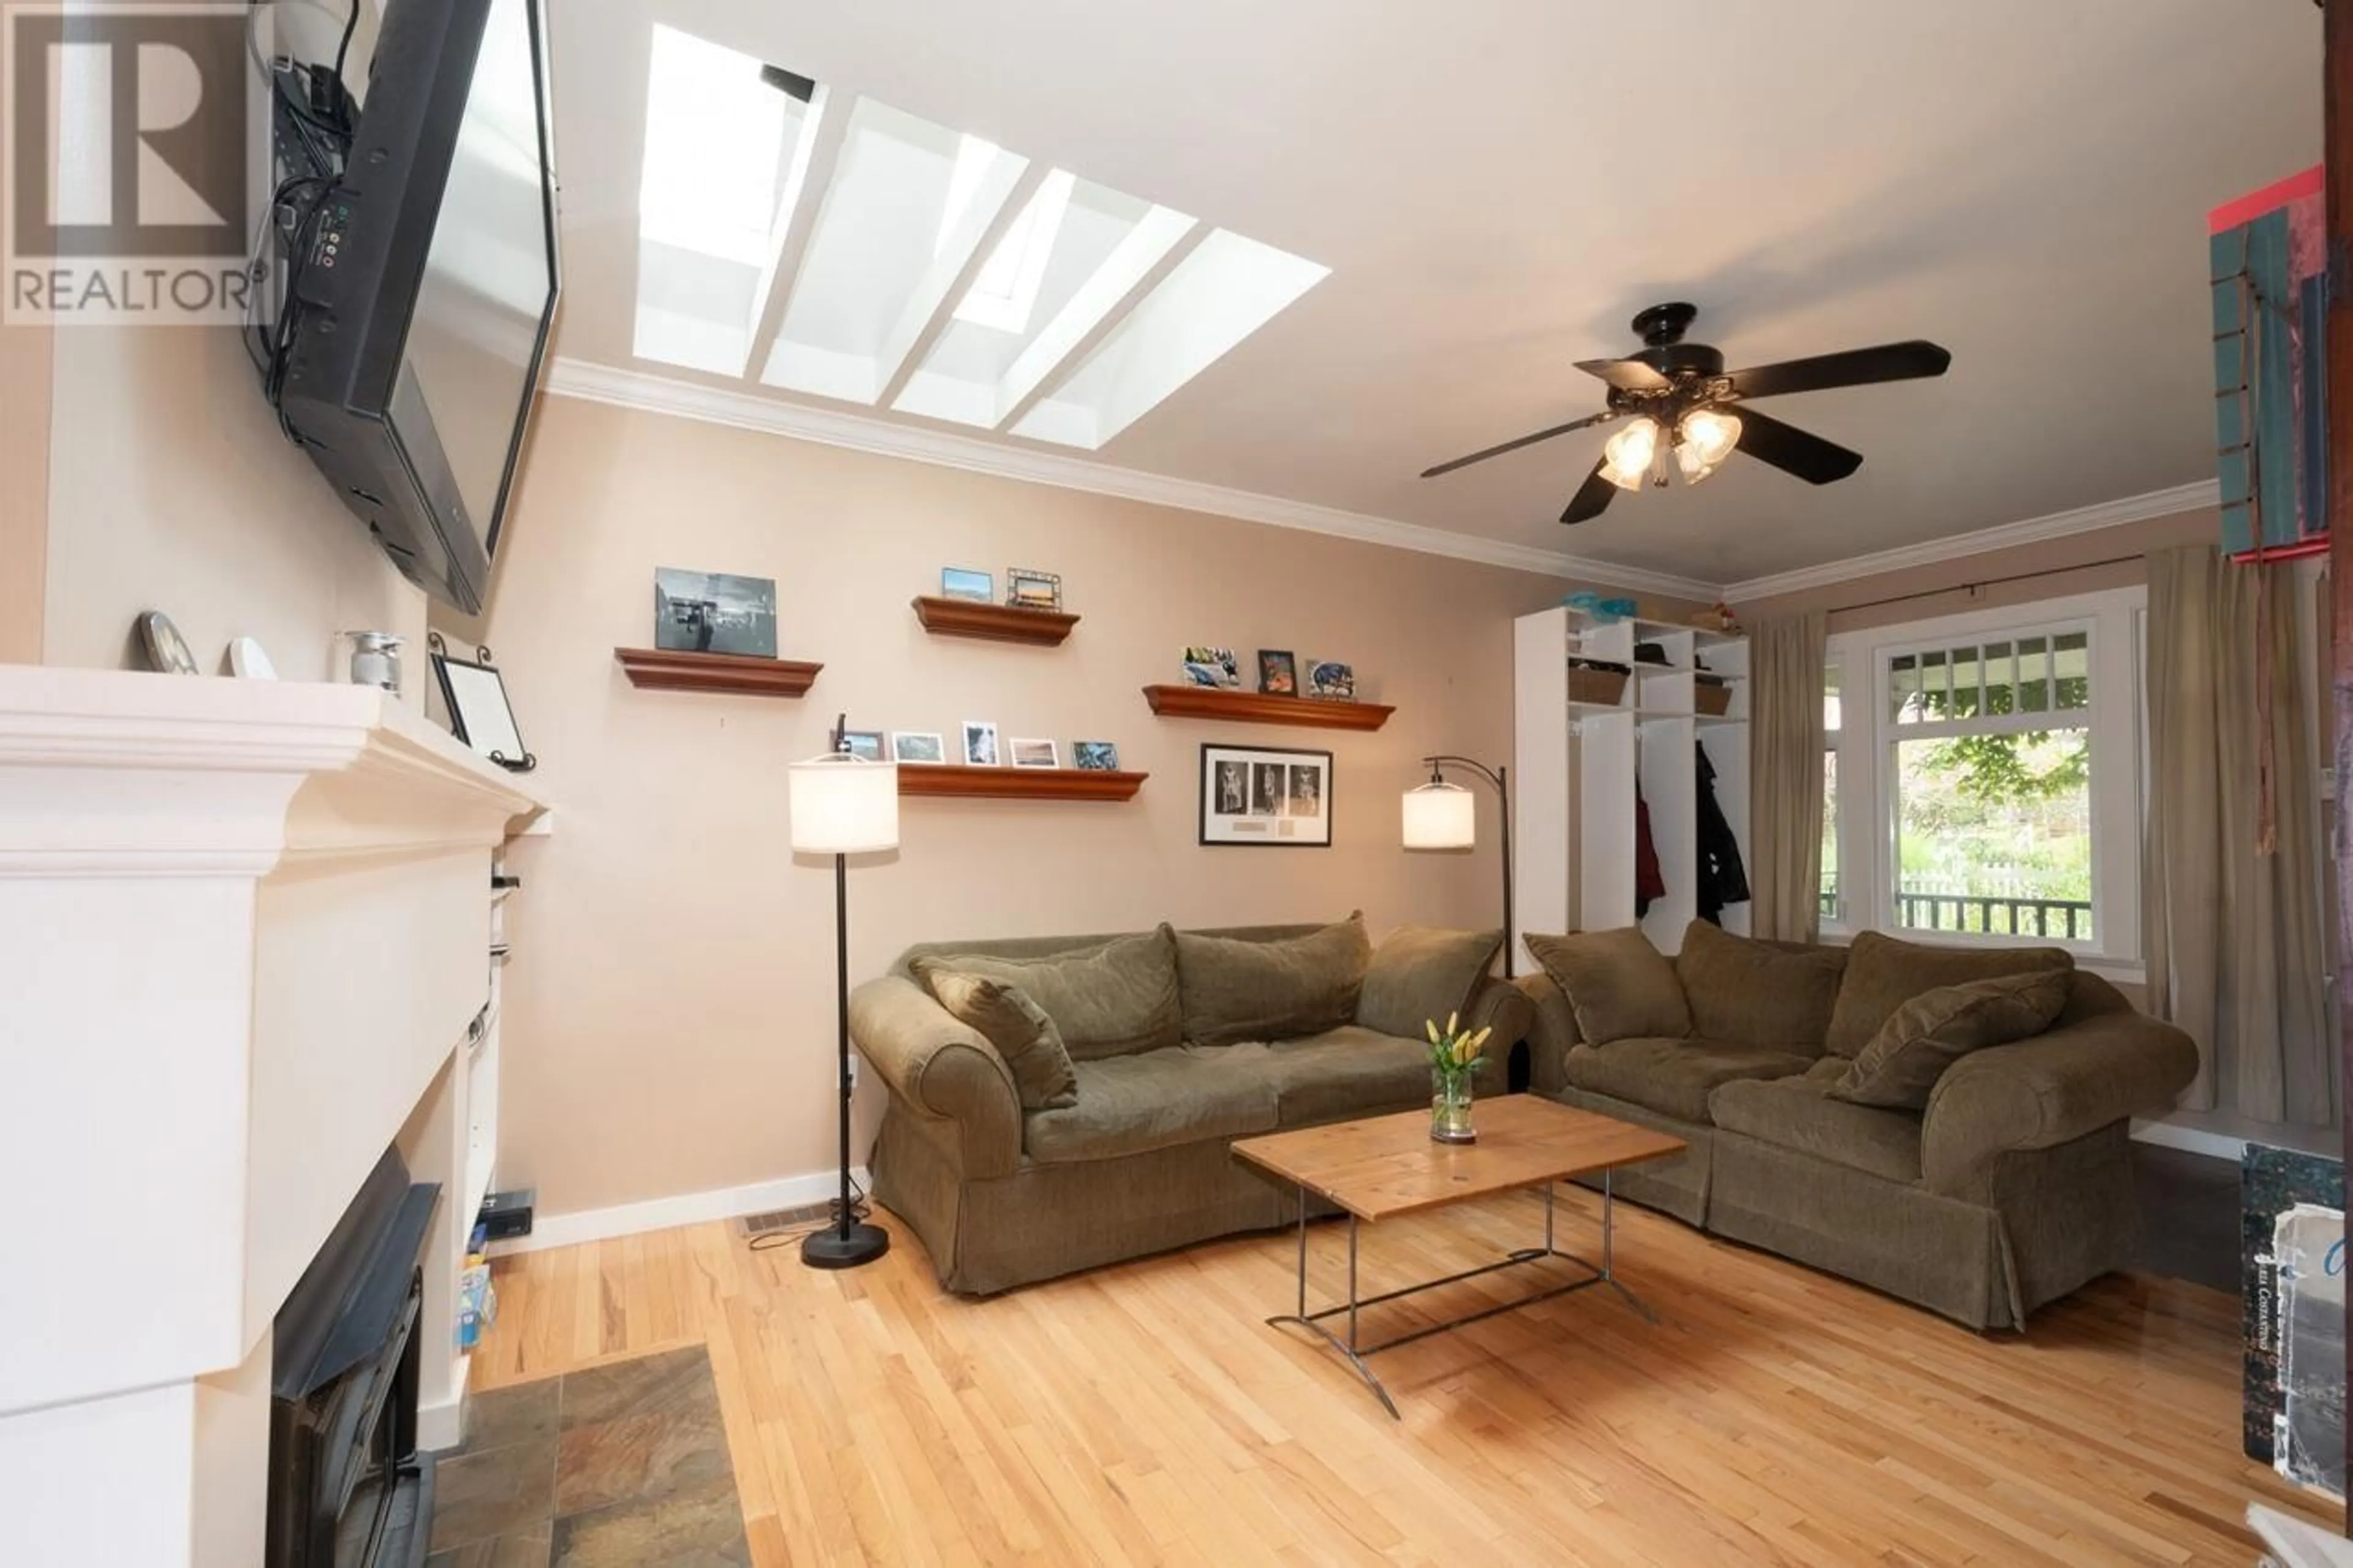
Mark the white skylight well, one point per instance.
(835, 246)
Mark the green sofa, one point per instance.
(2011, 1188)
(1178, 1044)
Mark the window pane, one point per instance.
(2001, 667)
(1902, 688)
(1935, 698)
(1830, 836)
(1830, 698)
(1965, 683)
(2033, 675)
(2070, 669)
(1993, 833)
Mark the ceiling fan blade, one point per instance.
(1602, 418)
(1592, 499)
(1855, 367)
(1792, 450)
(1625, 375)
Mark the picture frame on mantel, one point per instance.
(480, 713)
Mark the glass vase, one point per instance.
(1450, 1109)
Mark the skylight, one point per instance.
(1006, 289)
(830, 244)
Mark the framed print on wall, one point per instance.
(1272, 796)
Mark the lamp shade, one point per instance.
(1439, 816)
(841, 804)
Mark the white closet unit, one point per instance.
(1580, 756)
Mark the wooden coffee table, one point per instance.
(1383, 1166)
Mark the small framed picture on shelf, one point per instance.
(1278, 672)
(1035, 753)
(962, 583)
(1027, 590)
(866, 746)
(1206, 666)
(917, 746)
(1328, 678)
(979, 744)
(1272, 796)
(1094, 756)
(714, 612)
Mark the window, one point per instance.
(1987, 786)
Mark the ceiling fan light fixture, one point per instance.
(1704, 439)
(1628, 457)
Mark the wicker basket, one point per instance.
(1602, 687)
(1713, 700)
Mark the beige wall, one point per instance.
(669, 1022)
(25, 362)
(2049, 568)
(171, 488)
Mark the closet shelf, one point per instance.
(745, 675)
(1263, 708)
(1017, 784)
(994, 623)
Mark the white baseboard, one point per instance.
(686, 1208)
(2196, 1140)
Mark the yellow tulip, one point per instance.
(1431, 1025)
(1450, 1017)
(1481, 1037)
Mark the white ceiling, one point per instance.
(1498, 187)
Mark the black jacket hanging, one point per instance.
(1722, 879)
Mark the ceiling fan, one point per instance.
(1681, 400)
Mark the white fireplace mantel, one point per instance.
(243, 927)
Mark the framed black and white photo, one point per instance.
(714, 612)
(1272, 796)
(917, 746)
(479, 713)
(979, 744)
(1034, 753)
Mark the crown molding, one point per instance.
(1985, 540)
(865, 433)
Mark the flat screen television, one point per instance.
(421, 275)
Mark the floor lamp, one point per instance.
(843, 805)
(1441, 816)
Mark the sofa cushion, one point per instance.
(1032, 1048)
(1774, 995)
(1618, 984)
(1234, 989)
(1674, 1077)
(1883, 974)
(1343, 1072)
(1936, 1028)
(1419, 974)
(1798, 1113)
(1112, 999)
(1152, 1100)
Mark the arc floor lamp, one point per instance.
(843, 805)
(1442, 816)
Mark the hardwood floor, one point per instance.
(1147, 1414)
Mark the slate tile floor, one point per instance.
(624, 1463)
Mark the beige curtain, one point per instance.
(2231, 863)
(1785, 765)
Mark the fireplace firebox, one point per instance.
(348, 1488)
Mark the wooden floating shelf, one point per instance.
(994, 623)
(1018, 783)
(1261, 708)
(746, 675)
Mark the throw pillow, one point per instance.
(1419, 974)
(1883, 974)
(1113, 999)
(1234, 989)
(1774, 995)
(1032, 1048)
(1936, 1028)
(1618, 984)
